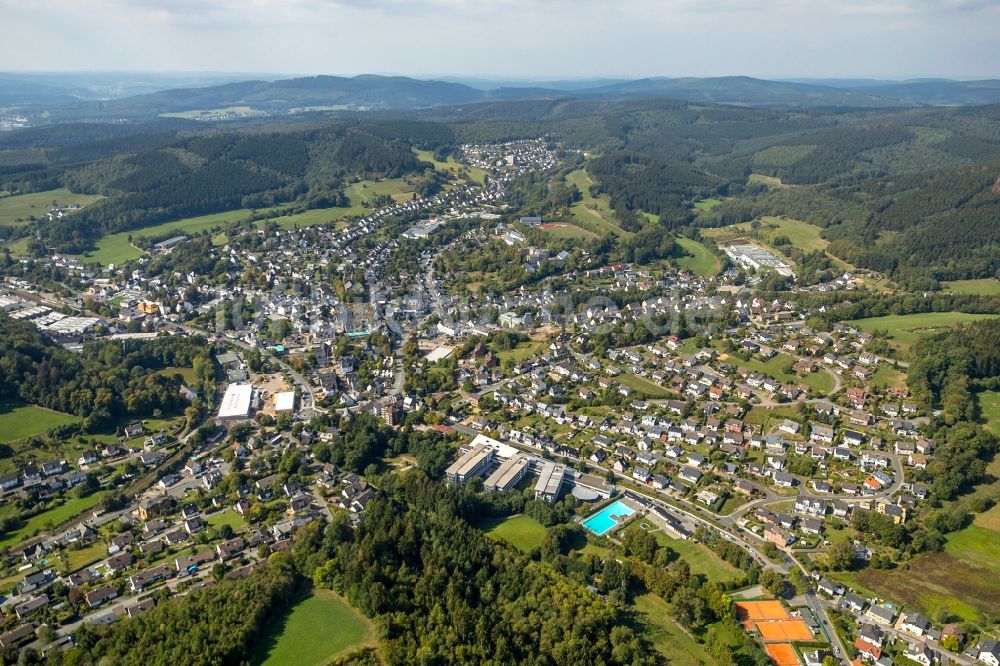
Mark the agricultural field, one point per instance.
(904, 330)
(988, 404)
(592, 214)
(15, 210)
(317, 629)
(700, 259)
(963, 581)
(20, 421)
(670, 639)
(983, 287)
(521, 531)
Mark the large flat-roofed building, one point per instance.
(284, 401)
(471, 464)
(236, 402)
(508, 474)
(550, 480)
(757, 258)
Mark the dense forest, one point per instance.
(107, 381)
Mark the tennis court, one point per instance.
(770, 609)
(782, 654)
(784, 630)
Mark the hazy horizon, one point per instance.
(507, 39)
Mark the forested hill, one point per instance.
(168, 173)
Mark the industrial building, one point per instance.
(471, 464)
(757, 258)
(236, 403)
(510, 472)
(550, 480)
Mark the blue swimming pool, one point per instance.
(605, 520)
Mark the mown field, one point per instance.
(988, 404)
(904, 330)
(317, 629)
(641, 384)
(20, 421)
(563, 230)
(984, 286)
(15, 210)
(523, 532)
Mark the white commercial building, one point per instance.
(236, 402)
(284, 401)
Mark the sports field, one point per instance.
(565, 230)
(15, 210)
(317, 629)
(782, 654)
(768, 609)
(20, 421)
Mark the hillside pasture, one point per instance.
(18, 421)
(15, 210)
(904, 330)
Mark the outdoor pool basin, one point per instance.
(608, 518)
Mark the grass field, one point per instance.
(477, 174)
(707, 204)
(700, 259)
(563, 230)
(363, 191)
(227, 517)
(592, 214)
(698, 556)
(821, 380)
(523, 532)
(886, 375)
(641, 384)
(765, 417)
(985, 286)
(20, 421)
(186, 373)
(759, 179)
(523, 351)
(15, 210)
(963, 581)
(50, 519)
(317, 629)
(988, 403)
(904, 330)
(668, 637)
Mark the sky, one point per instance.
(540, 39)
